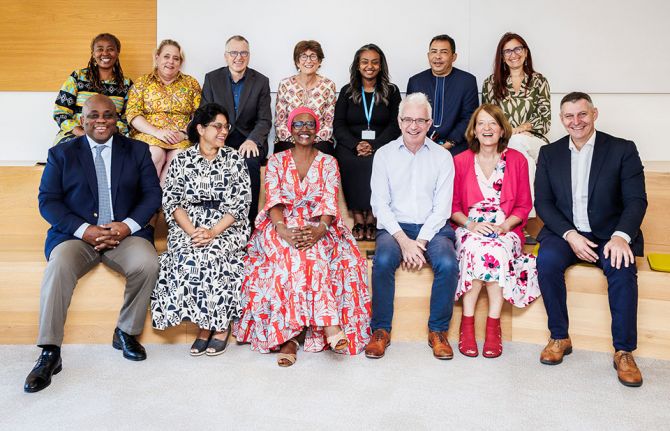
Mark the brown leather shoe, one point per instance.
(555, 350)
(376, 348)
(440, 344)
(626, 368)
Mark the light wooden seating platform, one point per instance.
(97, 299)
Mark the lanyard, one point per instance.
(368, 113)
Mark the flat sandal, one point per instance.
(287, 359)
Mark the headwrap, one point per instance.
(302, 110)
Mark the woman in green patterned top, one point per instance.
(523, 95)
(103, 75)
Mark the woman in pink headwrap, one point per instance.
(303, 272)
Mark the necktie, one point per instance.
(104, 205)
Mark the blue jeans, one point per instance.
(441, 256)
(555, 257)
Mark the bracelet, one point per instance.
(324, 224)
(278, 223)
(467, 222)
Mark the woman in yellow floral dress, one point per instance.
(161, 104)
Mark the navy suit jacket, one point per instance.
(617, 200)
(462, 98)
(254, 115)
(68, 195)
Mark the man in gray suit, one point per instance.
(245, 94)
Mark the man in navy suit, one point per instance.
(590, 193)
(452, 94)
(98, 193)
(245, 94)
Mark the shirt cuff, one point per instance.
(623, 235)
(79, 233)
(565, 235)
(132, 224)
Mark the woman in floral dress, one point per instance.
(303, 271)
(206, 201)
(490, 208)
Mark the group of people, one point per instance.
(435, 178)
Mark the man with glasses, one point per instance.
(245, 94)
(412, 185)
(98, 192)
(451, 92)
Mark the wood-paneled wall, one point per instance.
(42, 42)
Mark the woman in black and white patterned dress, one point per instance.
(206, 201)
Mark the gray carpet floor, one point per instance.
(406, 390)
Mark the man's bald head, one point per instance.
(99, 118)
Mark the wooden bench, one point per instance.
(98, 296)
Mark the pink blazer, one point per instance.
(515, 198)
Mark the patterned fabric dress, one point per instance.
(321, 99)
(202, 284)
(498, 259)
(532, 104)
(75, 91)
(286, 290)
(164, 106)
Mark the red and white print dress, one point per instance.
(286, 290)
(498, 259)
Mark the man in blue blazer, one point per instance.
(590, 193)
(245, 94)
(98, 193)
(452, 94)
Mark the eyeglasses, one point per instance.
(508, 52)
(220, 127)
(310, 124)
(305, 57)
(243, 54)
(419, 121)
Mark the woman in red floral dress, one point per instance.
(490, 208)
(304, 271)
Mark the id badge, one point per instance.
(368, 134)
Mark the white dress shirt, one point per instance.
(107, 158)
(580, 165)
(412, 188)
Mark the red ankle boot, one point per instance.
(467, 344)
(493, 340)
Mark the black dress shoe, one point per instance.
(132, 349)
(48, 364)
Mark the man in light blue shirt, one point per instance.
(412, 186)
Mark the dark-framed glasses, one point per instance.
(508, 52)
(310, 124)
(234, 54)
(305, 57)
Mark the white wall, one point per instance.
(613, 50)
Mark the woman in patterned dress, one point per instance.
(160, 105)
(490, 208)
(303, 271)
(206, 202)
(523, 95)
(308, 89)
(103, 75)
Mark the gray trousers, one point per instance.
(135, 258)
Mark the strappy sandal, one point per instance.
(217, 346)
(288, 359)
(358, 231)
(199, 346)
(370, 232)
(338, 342)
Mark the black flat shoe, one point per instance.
(132, 349)
(200, 345)
(215, 346)
(48, 364)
